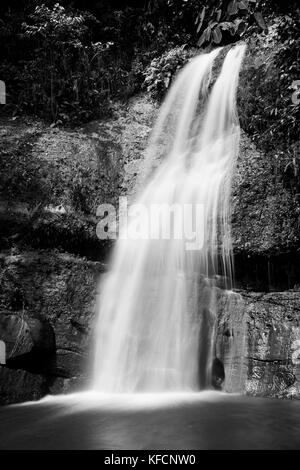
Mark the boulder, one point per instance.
(18, 385)
(15, 333)
(49, 339)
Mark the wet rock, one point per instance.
(70, 363)
(42, 334)
(19, 385)
(68, 385)
(258, 340)
(50, 338)
(47, 298)
(218, 374)
(73, 173)
(15, 332)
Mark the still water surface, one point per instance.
(206, 420)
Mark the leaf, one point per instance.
(243, 6)
(218, 16)
(242, 28)
(225, 25)
(202, 39)
(167, 82)
(260, 21)
(217, 35)
(233, 28)
(232, 8)
(201, 20)
(212, 24)
(208, 33)
(205, 36)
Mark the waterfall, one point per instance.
(155, 329)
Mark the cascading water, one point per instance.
(158, 303)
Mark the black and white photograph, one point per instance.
(149, 228)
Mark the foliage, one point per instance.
(221, 21)
(287, 31)
(161, 71)
(66, 64)
(209, 23)
(267, 84)
(267, 111)
(62, 77)
(65, 75)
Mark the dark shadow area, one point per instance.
(41, 359)
(218, 374)
(267, 273)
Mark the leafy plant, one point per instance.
(63, 76)
(267, 111)
(161, 71)
(223, 20)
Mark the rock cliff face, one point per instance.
(49, 318)
(258, 341)
(47, 309)
(53, 180)
(48, 297)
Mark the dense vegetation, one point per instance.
(68, 62)
(65, 61)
